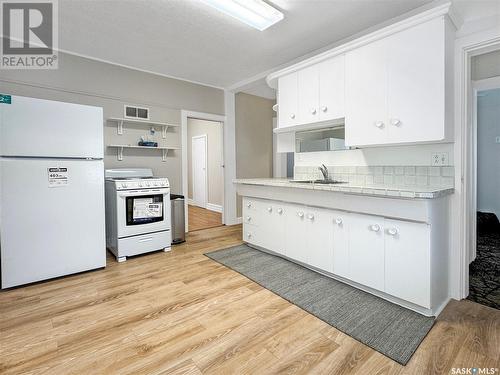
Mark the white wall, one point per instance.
(398, 155)
(213, 131)
(488, 151)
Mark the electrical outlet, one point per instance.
(439, 158)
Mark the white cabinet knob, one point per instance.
(375, 227)
(249, 235)
(249, 218)
(313, 111)
(338, 221)
(269, 209)
(300, 214)
(395, 122)
(310, 217)
(249, 204)
(324, 108)
(392, 231)
(292, 116)
(379, 124)
(280, 211)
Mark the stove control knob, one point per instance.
(147, 183)
(140, 184)
(124, 185)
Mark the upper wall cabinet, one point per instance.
(396, 88)
(288, 100)
(312, 94)
(393, 86)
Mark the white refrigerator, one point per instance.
(51, 189)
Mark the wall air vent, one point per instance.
(135, 112)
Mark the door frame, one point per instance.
(466, 48)
(185, 115)
(202, 136)
(477, 86)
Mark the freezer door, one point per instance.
(45, 128)
(51, 218)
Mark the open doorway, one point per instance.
(205, 173)
(484, 270)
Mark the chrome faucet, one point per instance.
(324, 171)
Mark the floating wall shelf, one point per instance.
(121, 121)
(164, 150)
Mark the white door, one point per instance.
(407, 261)
(341, 225)
(331, 88)
(199, 170)
(366, 250)
(50, 229)
(366, 94)
(416, 83)
(296, 237)
(320, 238)
(308, 92)
(287, 100)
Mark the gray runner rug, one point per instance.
(384, 326)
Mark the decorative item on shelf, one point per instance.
(146, 140)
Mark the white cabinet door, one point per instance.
(331, 88)
(341, 225)
(416, 84)
(288, 100)
(308, 93)
(272, 226)
(365, 94)
(407, 261)
(296, 240)
(366, 250)
(319, 234)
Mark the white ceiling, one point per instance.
(189, 40)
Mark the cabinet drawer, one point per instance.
(251, 234)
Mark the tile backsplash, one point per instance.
(386, 175)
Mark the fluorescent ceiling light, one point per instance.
(255, 13)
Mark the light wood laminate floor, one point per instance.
(182, 313)
(201, 218)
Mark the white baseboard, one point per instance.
(209, 206)
(214, 207)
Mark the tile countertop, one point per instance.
(425, 192)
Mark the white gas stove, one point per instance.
(137, 212)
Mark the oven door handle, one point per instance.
(135, 193)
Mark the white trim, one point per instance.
(465, 48)
(429, 14)
(210, 206)
(185, 114)
(193, 138)
(229, 215)
(480, 85)
(214, 207)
